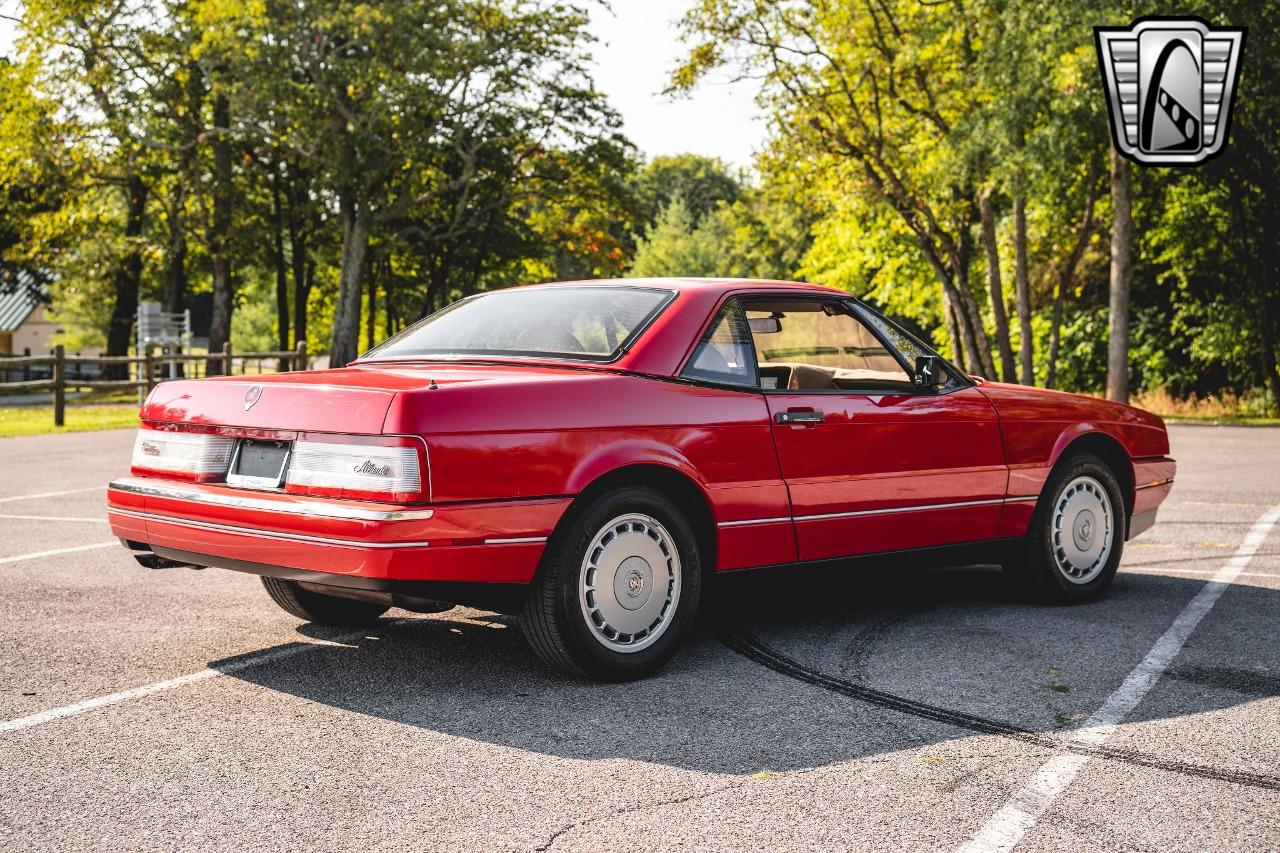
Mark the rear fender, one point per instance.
(603, 460)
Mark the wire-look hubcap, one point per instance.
(1082, 530)
(629, 585)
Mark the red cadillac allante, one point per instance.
(589, 454)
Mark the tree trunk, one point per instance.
(1269, 259)
(175, 271)
(971, 331)
(981, 342)
(960, 325)
(298, 256)
(954, 301)
(1022, 287)
(1121, 268)
(278, 261)
(176, 282)
(371, 319)
(389, 309)
(1068, 272)
(1269, 367)
(185, 177)
(346, 317)
(304, 279)
(174, 289)
(127, 277)
(987, 213)
(219, 234)
(953, 332)
(1055, 334)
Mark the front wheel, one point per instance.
(618, 589)
(1077, 534)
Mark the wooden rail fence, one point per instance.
(148, 370)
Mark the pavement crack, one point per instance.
(756, 650)
(637, 807)
(753, 779)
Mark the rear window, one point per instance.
(591, 323)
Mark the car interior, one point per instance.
(797, 345)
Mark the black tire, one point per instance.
(321, 609)
(1043, 568)
(554, 621)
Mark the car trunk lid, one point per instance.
(353, 399)
(350, 400)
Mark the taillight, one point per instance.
(201, 457)
(387, 468)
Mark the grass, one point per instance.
(1227, 409)
(38, 420)
(1222, 420)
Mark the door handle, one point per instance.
(799, 416)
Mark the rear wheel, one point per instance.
(618, 589)
(319, 608)
(1076, 538)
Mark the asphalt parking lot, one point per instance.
(180, 710)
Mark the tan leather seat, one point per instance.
(807, 378)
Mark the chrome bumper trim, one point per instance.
(515, 540)
(263, 534)
(315, 509)
(1153, 484)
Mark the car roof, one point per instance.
(691, 283)
(660, 347)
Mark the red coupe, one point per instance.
(589, 454)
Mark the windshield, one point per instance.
(592, 323)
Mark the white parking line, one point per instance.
(246, 662)
(1007, 826)
(55, 518)
(55, 552)
(50, 494)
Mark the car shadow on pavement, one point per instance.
(863, 666)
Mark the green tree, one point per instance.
(701, 183)
(676, 246)
(397, 106)
(865, 93)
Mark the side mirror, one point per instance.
(929, 372)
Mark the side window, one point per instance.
(909, 348)
(820, 345)
(725, 355)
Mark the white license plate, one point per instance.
(259, 463)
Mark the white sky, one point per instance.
(11, 8)
(636, 51)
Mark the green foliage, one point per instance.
(675, 246)
(750, 232)
(702, 184)
(356, 160)
(900, 116)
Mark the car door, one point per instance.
(872, 463)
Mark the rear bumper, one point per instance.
(216, 525)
